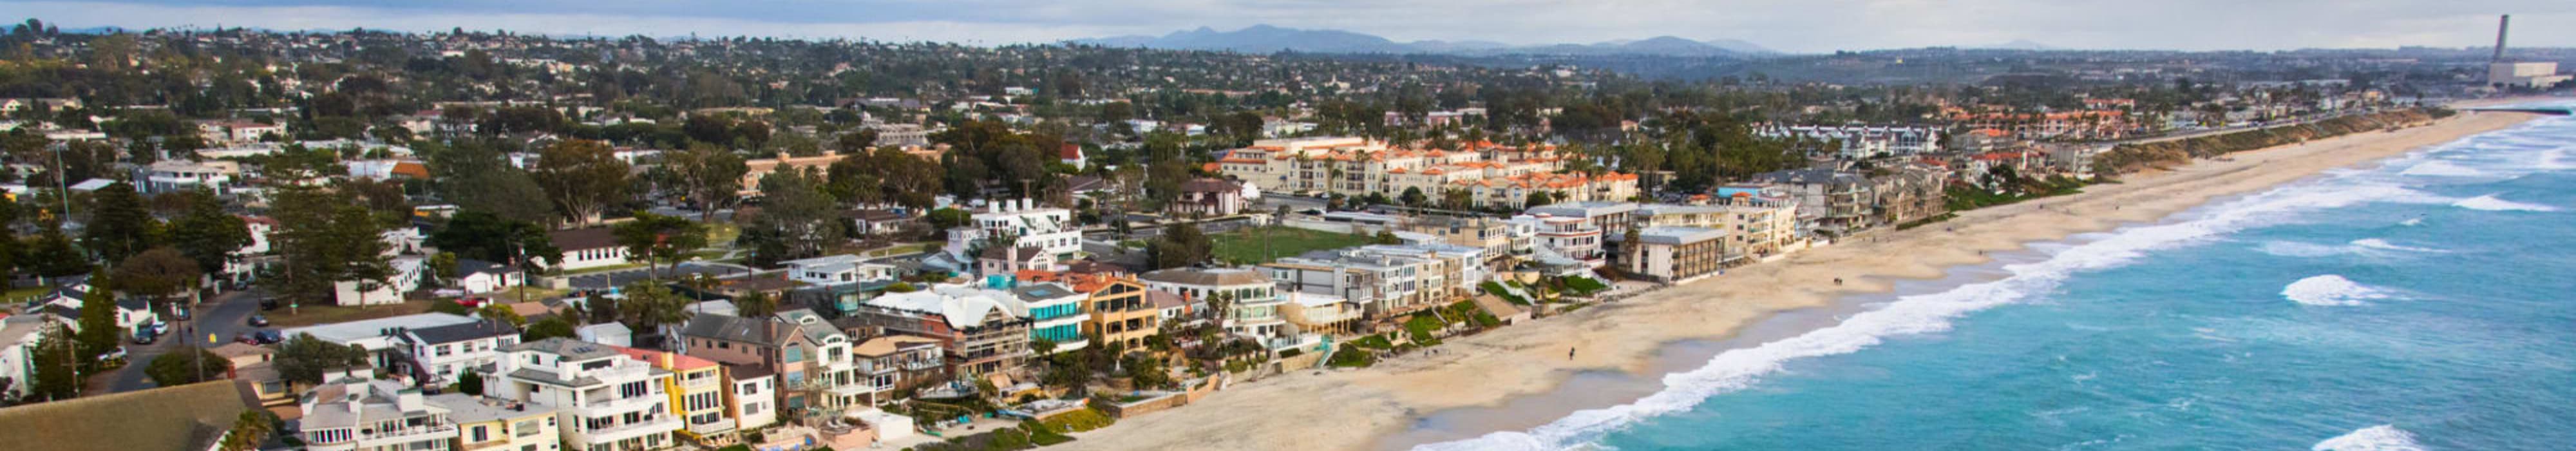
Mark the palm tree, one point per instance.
(653, 306)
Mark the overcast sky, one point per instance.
(1788, 25)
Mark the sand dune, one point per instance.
(1353, 409)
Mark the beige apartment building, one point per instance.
(1493, 175)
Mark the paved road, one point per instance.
(222, 315)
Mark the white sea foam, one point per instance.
(2375, 438)
(2380, 244)
(2410, 222)
(1737, 369)
(2491, 203)
(2439, 168)
(2366, 246)
(2331, 290)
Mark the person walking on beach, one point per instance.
(1838, 281)
(1569, 353)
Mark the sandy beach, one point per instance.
(1354, 409)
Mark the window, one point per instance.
(631, 390)
(526, 428)
(480, 434)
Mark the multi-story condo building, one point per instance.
(753, 395)
(1114, 307)
(1670, 254)
(836, 269)
(1048, 229)
(490, 424)
(354, 412)
(1570, 237)
(809, 356)
(1386, 287)
(1861, 141)
(437, 355)
(899, 363)
(1501, 239)
(1254, 310)
(604, 400)
(984, 330)
(1055, 314)
(1832, 201)
(1450, 271)
(697, 388)
(1493, 175)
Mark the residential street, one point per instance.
(222, 315)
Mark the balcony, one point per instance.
(658, 423)
(719, 426)
(621, 405)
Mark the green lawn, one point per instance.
(1263, 244)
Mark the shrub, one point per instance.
(1585, 285)
(1352, 357)
(1079, 420)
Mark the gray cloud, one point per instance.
(1794, 25)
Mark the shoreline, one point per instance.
(1326, 409)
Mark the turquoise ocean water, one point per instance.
(2425, 303)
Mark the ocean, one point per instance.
(2424, 303)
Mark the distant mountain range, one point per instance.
(1266, 39)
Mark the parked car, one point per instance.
(258, 320)
(268, 304)
(245, 338)
(267, 336)
(146, 337)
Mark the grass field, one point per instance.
(324, 314)
(1261, 245)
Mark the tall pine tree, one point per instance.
(119, 226)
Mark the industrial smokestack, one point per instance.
(2501, 24)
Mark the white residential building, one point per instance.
(1255, 310)
(354, 413)
(174, 176)
(605, 401)
(499, 425)
(438, 355)
(836, 269)
(1862, 141)
(1029, 225)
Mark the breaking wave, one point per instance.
(2375, 438)
(1738, 369)
(2331, 290)
(2491, 203)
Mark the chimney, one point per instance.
(2501, 24)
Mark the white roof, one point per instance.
(964, 306)
(364, 329)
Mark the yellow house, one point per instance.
(499, 425)
(697, 389)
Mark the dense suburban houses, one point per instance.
(493, 241)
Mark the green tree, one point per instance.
(756, 304)
(1413, 196)
(1180, 245)
(186, 366)
(325, 238)
(489, 237)
(57, 360)
(649, 305)
(119, 225)
(797, 215)
(98, 328)
(160, 273)
(581, 177)
(471, 383)
(548, 327)
(663, 239)
(306, 359)
(249, 430)
(54, 255)
(1537, 198)
(709, 177)
(207, 234)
